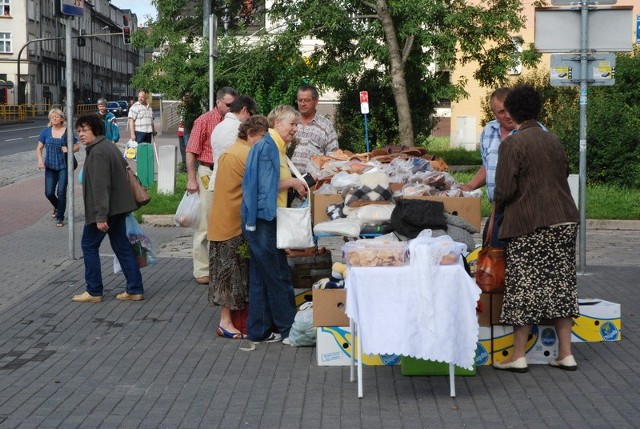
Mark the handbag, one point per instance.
(490, 265)
(294, 223)
(140, 193)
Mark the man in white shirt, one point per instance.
(226, 132)
(140, 120)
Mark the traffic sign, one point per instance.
(565, 70)
(364, 102)
(72, 7)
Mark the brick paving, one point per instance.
(157, 363)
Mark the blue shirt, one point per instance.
(54, 158)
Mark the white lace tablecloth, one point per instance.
(405, 311)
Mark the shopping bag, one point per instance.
(294, 223)
(131, 150)
(490, 265)
(188, 212)
(140, 242)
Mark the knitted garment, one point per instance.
(410, 217)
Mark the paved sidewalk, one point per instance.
(158, 364)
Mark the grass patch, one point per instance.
(161, 204)
(441, 146)
(603, 201)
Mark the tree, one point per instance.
(403, 49)
(267, 69)
(393, 36)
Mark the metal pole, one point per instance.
(213, 53)
(584, 43)
(70, 184)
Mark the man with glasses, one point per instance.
(199, 170)
(316, 134)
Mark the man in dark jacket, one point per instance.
(107, 202)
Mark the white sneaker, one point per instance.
(273, 338)
(286, 341)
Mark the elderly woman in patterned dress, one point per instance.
(540, 228)
(228, 267)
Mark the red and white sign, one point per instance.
(364, 102)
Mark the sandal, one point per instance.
(59, 224)
(54, 213)
(221, 332)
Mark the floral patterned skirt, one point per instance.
(540, 280)
(229, 274)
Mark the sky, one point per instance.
(142, 8)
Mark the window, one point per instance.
(6, 7)
(5, 43)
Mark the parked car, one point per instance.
(124, 105)
(114, 107)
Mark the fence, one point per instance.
(21, 112)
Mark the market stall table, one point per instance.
(418, 310)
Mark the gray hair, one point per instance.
(56, 112)
(101, 101)
(283, 112)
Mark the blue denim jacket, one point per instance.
(260, 182)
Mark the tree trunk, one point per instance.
(398, 82)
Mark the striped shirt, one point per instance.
(489, 144)
(200, 137)
(142, 117)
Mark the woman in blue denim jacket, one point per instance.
(265, 186)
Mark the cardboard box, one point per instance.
(329, 307)
(467, 208)
(334, 348)
(491, 306)
(542, 345)
(410, 366)
(319, 204)
(599, 320)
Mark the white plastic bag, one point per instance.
(302, 332)
(131, 150)
(188, 212)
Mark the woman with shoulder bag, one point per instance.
(540, 227)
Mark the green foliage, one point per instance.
(613, 121)
(355, 54)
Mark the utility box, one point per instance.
(146, 166)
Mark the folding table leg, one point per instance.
(359, 342)
(352, 367)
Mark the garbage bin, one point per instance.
(146, 167)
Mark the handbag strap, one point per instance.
(299, 176)
(487, 242)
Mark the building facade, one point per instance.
(467, 114)
(102, 63)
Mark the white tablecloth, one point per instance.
(399, 311)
